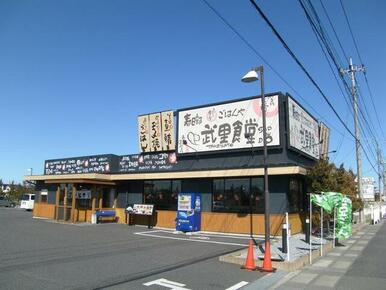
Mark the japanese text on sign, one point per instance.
(303, 130)
(156, 132)
(232, 125)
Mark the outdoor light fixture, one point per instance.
(252, 76)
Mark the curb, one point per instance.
(297, 264)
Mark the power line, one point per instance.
(276, 33)
(365, 74)
(322, 37)
(249, 45)
(333, 29)
(352, 35)
(300, 64)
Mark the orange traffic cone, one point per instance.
(267, 263)
(250, 261)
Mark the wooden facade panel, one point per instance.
(234, 223)
(166, 219)
(210, 221)
(121, 215)
(44, 210)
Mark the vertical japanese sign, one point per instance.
(144, 133)
(324, 136)
(155, 132)
(303, 130)
(168, 139)
(224, 127)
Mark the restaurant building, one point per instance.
(216, 150)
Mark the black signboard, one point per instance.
(147, 162)
(86, 164)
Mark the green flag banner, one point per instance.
(322, 201)
(330, 200)
(343, 219)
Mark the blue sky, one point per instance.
(74, 75)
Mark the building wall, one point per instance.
(44, 210)
(224, 222)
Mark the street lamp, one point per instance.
(252, 76)
(30, 170)
(323, 155)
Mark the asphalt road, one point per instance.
(369, 269)
(40, 254)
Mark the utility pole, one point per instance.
(383, 178)
(380, 169)
(351, 72)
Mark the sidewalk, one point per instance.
(298, 252)
(325, 271)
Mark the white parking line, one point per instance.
(148, 234)
(223, 236)
(156, 231)
(237, 286)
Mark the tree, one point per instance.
(18, 189)
(321, 177)
(324, 176)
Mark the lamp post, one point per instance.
(252, 76)
(30, 170)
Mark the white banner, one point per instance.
(223, 127)
(303, 130)
(155, 132)
(168, 137)
(144, 133)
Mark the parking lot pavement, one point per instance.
(40, 254)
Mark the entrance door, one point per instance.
(63, 207)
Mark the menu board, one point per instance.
(75, 165)
(147, 162)
(143, 209)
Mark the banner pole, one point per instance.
(310, 230)
(333, 242)
(288, 245)
(321, 231)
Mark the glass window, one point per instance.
(294, 194)
(162, 193)
(218, 195)
(257, 194)
(83, 203)
(176, 189)
(43, 198)
(33, 197)
(231, 195)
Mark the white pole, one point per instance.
(333, 242)
(310, 230)
(288, 233)
(321, 231)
